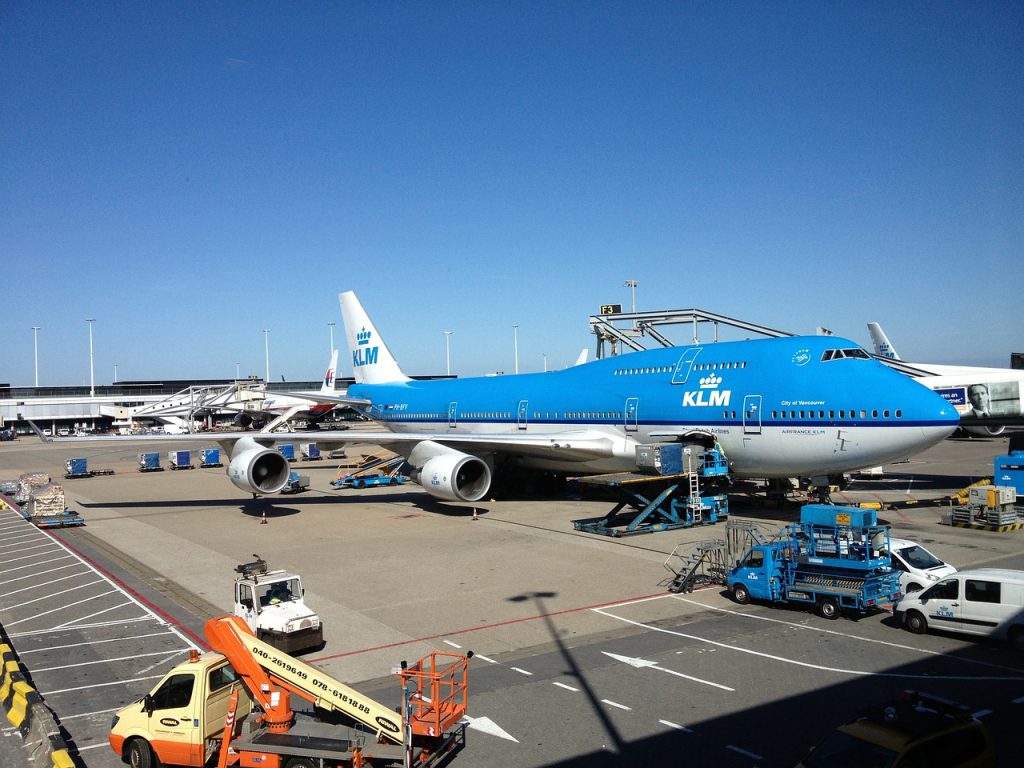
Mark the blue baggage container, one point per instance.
(310, 451)
(76, 467)
(210, 457)
(149, 462)
(287, 450)
(180, 459)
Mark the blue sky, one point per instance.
(192, 173)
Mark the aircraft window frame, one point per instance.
(899, 413)
(874, 413)
(885, 413)
(863, 413)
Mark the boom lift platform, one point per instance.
(707, 563)
(209, 704)
(666, 499)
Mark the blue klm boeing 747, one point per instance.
(788, 407)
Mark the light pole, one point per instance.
(545, 354)
(515, 342)
(35, 344)
(448, 352)
(236, 371)
(92, 379)
(331, 325)
(115, 373)
(266, 352)
(632, 284)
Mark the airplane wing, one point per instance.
(572, 445)
(320, 397)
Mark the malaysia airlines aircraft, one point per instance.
(295, 405)
(987, 399)
(796, 406)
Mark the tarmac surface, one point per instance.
(582, 657)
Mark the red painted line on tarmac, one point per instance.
(486, 626)
(154, 608)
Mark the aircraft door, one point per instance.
(685, 364)
(523, 413)
(752, 415)
(632, 405)
(453, 415)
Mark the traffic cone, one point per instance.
(264, 520)
(474, 513)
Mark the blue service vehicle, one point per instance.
(832, 559)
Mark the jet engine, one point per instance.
(257, 469)
(448, 474)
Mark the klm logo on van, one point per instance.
(708, 394)
(364, 354)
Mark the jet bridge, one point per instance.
(644, 326)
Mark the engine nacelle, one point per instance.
(257, 469)
(448, 474)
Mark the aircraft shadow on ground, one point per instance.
(792, 723)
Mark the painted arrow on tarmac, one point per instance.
(486, 725)
(643, 663)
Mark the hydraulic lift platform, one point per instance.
(660, 502)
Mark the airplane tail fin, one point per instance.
(328, 386)
(584, 354)
(372, 361)
(881, 342)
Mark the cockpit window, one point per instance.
(839, 354)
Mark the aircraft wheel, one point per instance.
(741, 594)
(828, 608)
(300, 762)
(915, 623)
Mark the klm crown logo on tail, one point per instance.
(708, 394)
(364, 354)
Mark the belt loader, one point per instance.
(235, 702)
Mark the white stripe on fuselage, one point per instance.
(777, 451)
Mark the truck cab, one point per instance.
(178, 721)
(272, 604)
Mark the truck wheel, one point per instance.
(828, 609)
(915, 622)
(741, 594)
(1016, 638)
(299, 762)
(140, 755)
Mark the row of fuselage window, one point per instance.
(671, 368)
(617, 415)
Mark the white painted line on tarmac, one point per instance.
(745, 753)
(616, 704)
(74, 622)
(89, 714)
(1018, 701)
(39, 573)
(824, 631)
(144, 608)
(453, 645)
(14, 542)
(164, 660)
(95, 625)
(61, 608)
(567, 687)
(521, 671)
(17, 559)
(53, 594)
(103, 685)
(104, 661)
(50, 648)
(44, 584)
(981, 713)
(91, 746)
(26, 547)
(644, 663)
(677, 726)
(488, 659)
(808, 665)
(33, 565)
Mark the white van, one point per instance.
(980, 601)
(918, 568)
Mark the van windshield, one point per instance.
(919, 557)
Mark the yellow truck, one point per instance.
(235, 702)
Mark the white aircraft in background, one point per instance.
(978, 394)
(278, 408)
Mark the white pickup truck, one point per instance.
(271, 603)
